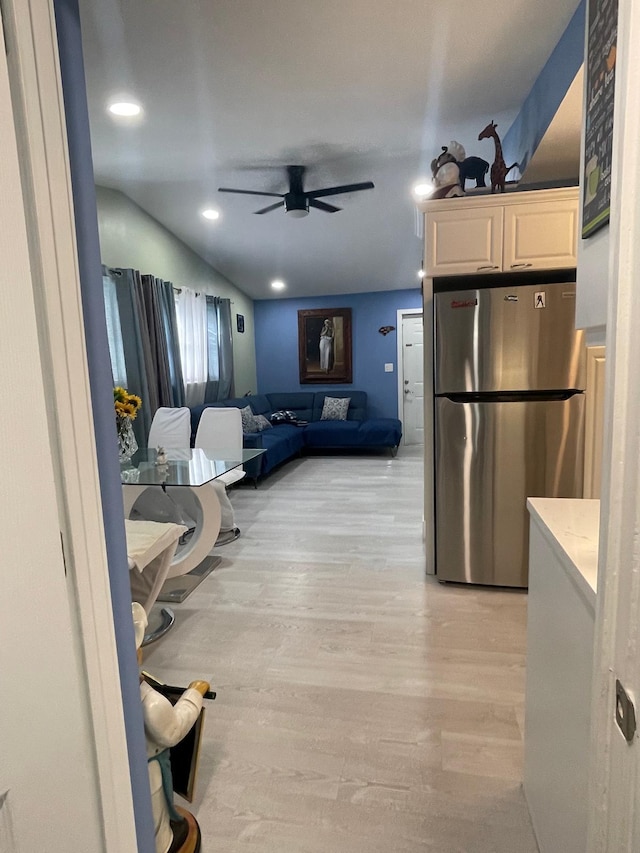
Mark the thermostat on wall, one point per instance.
(388, 368)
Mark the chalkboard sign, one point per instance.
(601, 70)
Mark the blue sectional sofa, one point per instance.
(284, 441)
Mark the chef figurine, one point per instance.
(165, 725)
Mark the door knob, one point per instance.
(406, 391)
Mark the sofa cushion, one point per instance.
(332, 434)
(280, 443)
(380, 432)
(357, 406)
(300, 402)
(335, 408)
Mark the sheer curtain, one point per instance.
(191, 317)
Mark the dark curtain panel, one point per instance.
(160, 312)
(141, 379)
(147, 318)
(220, 345)
(174, 364)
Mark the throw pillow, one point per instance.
(335, 408)
(261, 422)
(248, 420)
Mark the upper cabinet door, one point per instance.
(464, 241)
(540, 235)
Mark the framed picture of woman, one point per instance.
(324, 345)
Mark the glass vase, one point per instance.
(127, 444)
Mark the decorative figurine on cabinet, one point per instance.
(499, 168)
(165, 725)
(446, 176)
(469, 168)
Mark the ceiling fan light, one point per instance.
(297, 213)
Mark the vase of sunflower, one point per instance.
(126, 408)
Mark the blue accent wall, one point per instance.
(542, 102)
(86, 222)
(276, 330)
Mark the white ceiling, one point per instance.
(233, 90)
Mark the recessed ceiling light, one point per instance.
(278, 284)
(210, 213)
(422, 190)
(126, 109)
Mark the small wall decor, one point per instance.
(324, 345)
(240, 323)
(499, 168)
(384, 330)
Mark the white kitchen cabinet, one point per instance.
(563, 560)
(540, 236)
(464, 240)
(509, 232)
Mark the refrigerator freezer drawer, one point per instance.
(490, 457)
(495, 339)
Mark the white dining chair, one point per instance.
(170, 428)
(220, 429)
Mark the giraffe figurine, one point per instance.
(499, 168)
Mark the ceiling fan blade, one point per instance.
(347, 188)
(328, 208)
(271, 207)
(249, 192)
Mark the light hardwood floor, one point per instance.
(362, 705)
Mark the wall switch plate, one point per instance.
(388, 368)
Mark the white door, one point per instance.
(412, 373)
(614, 806)
(49, 775)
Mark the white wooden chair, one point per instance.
(220, 429)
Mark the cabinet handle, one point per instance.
(488, 267)
(520, 266)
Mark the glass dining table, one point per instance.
(180, 483)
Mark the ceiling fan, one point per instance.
(297, 201)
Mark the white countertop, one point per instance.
(571, 526)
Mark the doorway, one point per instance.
(411, 376)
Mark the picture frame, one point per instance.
(240, 323)
(600, 88)
(324, 346)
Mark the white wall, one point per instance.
(130, 237)
(593, 284)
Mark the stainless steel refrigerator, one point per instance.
(509, 422)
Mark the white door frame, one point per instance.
(46, 186)
(400, 315)
(614, 812)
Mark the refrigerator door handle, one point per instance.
(511, 396)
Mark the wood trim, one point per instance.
(614, 768)
(594, 421)
(401, 313)
(41, 129)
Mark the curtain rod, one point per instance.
(118, 272)
(179, 290)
